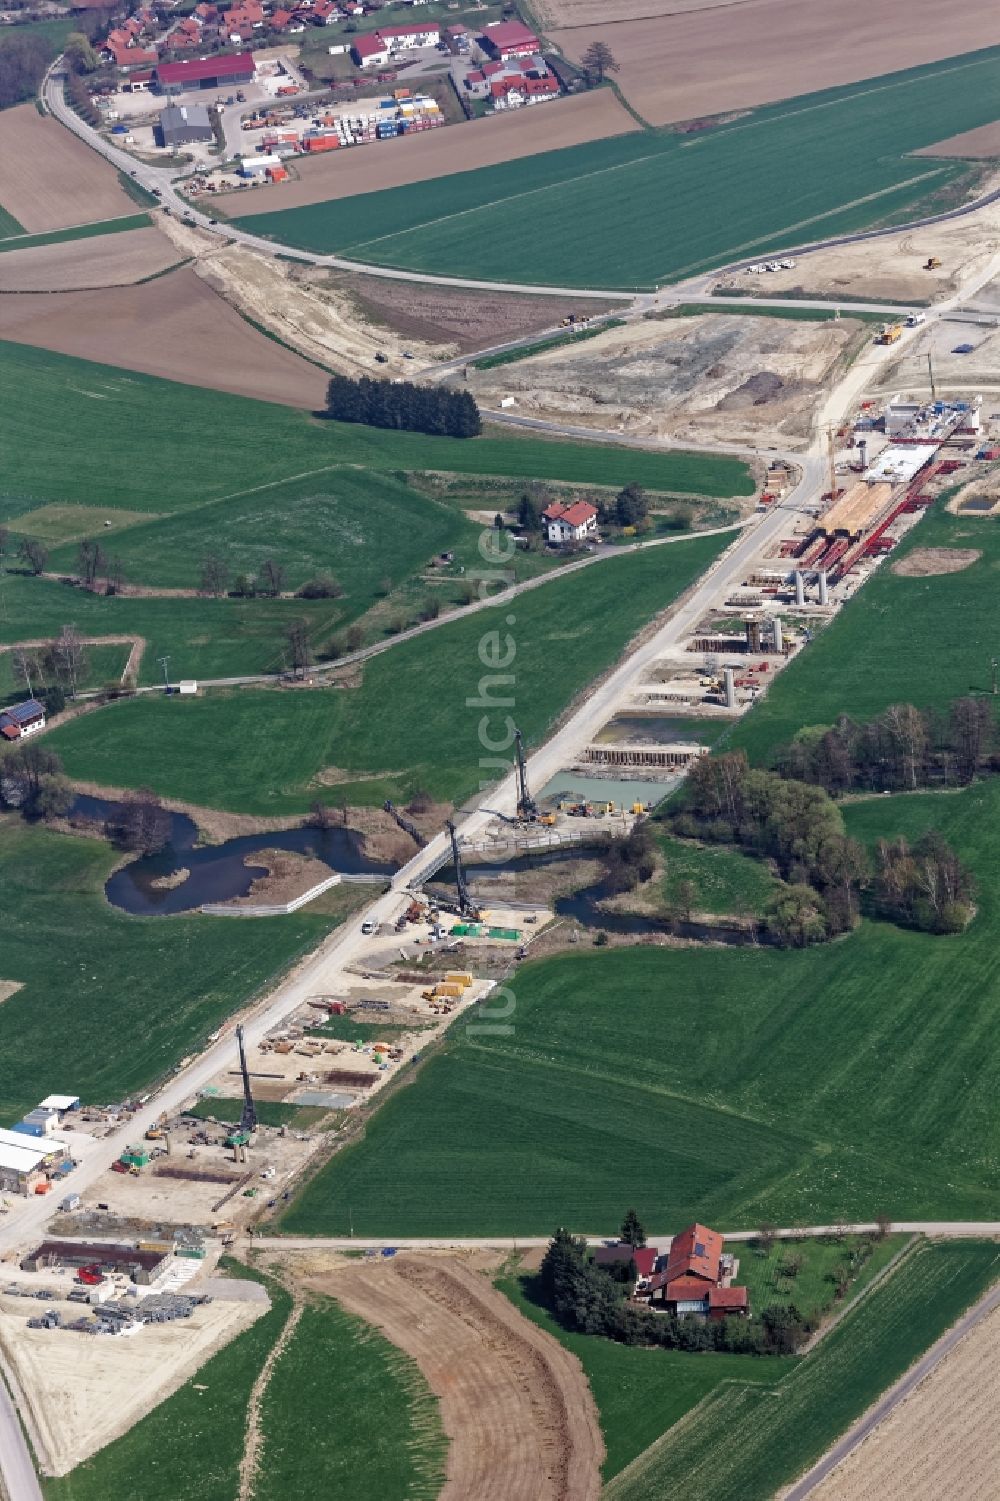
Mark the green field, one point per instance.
(269, 1112)
(347, 1414)
(408, 724)
(812, 1289)
(851, 1079)
(724, 882)
(750, 1441)
(661, 205)
(78, 232)
(192, 1444)
(923, 641)
(640, 1393)
(110, 1002)
(8, 224)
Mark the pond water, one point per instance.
(217, 872)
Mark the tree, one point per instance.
(883, 1225)
(214, 575)
(687, 894)
(65, 660)
(4, 541)
(323, 586)
(300, 654)
(90, 561)
(79, 54)
(245, 586)
(791, 1264)
(632, 1232)
(23, 769)
(498, 522)
(597, 62)
(24, 57)
(271, 577)
(355, 637)
(141, 822)
(32, 552)
(55, 700)
(631, 506)
(114, 580)
(767, 1236)
(55, 797)
(528, 517)
(27, 669)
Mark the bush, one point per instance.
(324, 586)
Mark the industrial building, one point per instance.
(22, 1168)
(378, 47)
(228, 69)
(143, 1266)
(506, 39)
(180, 124)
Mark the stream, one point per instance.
(217, 872)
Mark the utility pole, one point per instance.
(930, 372)
(163, 661)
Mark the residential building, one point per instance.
(526, 77)
(181, 124)
(376, 48)
(21, 720)
(508, 39)
(697, 1278)
(129, 56)
(570, 523)
(206, 72)
(645, 1258)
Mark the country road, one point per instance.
(18, 1481)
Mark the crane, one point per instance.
(527, 808)
(248, 1119)
(466, 905)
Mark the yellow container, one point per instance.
(451, 992)
(458, 977)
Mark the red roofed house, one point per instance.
(572, 523)
(377, 47)
(510, 39)
(131, 57)
(22, 719)
(696, 1277)
(645, 1258)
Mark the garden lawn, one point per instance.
(749, 1442)
(848, 1080)
(409, 724)
(923, 641)
(110, 1002)
(812, 1290)
(191, 1446)
(659, 205)
(347, 1414)
(641, 1393)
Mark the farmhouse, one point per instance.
(182, 123)
(510, 84)
(510, 39)
(572, 523)
(21, 720)
(376, 48)
(645, 1258)
(697, 1278)
(206, 72)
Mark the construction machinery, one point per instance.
(247, 1128)
(466, 906)
(889, 333)
(527, 808)
(932, 263)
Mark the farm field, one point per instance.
(828, 1082)
(944, 1436)
(102, 261)
(346, 1413)
(849, 147)
(49, 179)
(74, 1017)
(677, 66)
(232, 445)
(174, 327)
(441, 153)
(640, 1393)
(8, 224)
(96, 231)
(749, 1443)
(899, 640)
(192, 1444)
(407, 724)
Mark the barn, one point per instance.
(229, 68)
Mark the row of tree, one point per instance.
(797, 825)
(32, 780)
(403, 405)
(901, 748)
(590, 1299)
(54, 670)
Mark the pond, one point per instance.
(217, 872)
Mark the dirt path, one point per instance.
(515, 1404)
(251, 1451)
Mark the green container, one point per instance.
(193, 1253)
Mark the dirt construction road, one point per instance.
(515, 1405)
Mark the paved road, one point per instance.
(16, 1468)
(892, 1398)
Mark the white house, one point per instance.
(22, 719)
(572, 523)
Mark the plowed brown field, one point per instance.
(439, 153)
(515, 1404)
(704, 62)
(104, 261)
(175, 327)
(49, 179)
(982, 144)
(943, 1441)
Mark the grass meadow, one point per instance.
(192, 1444)
(346, 1413)
(407, 724)
(659, 205)
(719, 880)
(751, 1441)
(850, 1080)
(110, 1002)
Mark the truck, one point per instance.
(914, 320)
